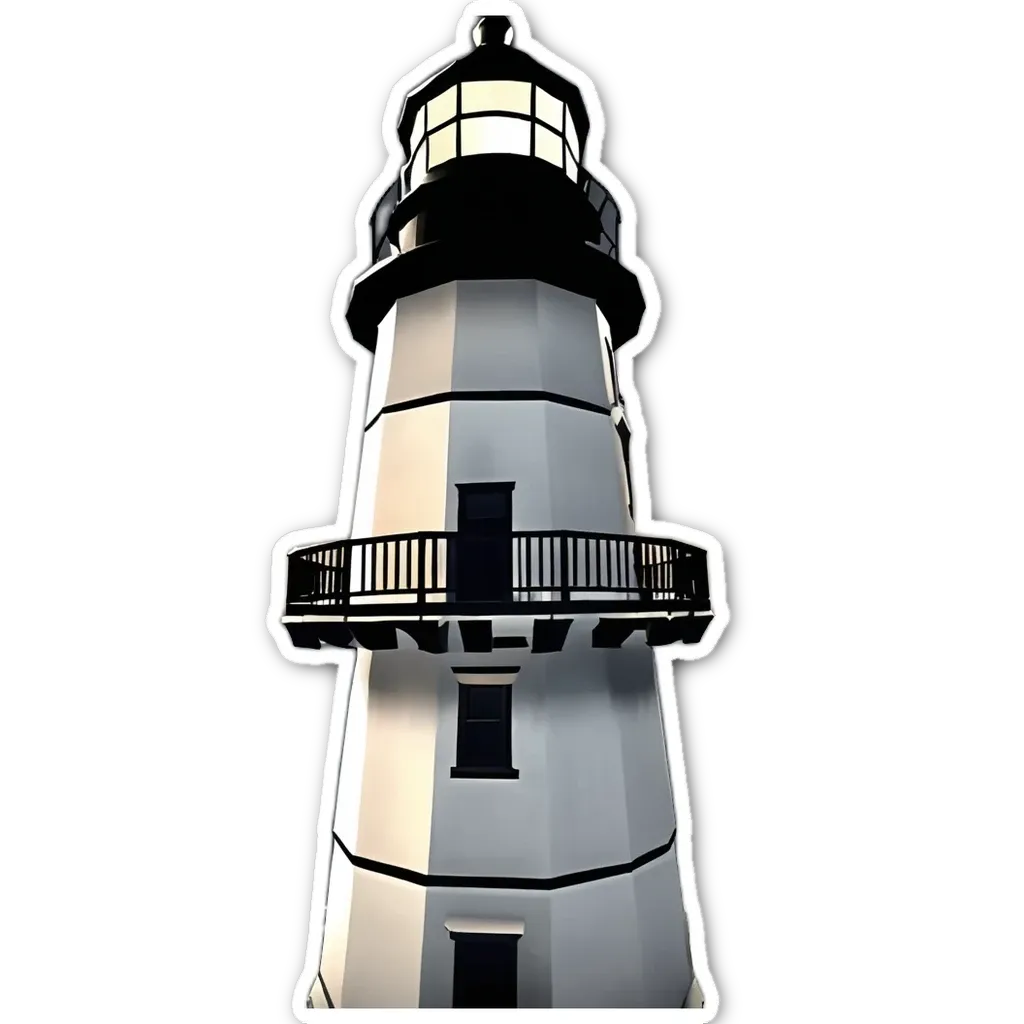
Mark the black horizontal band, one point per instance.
(575, 267)
(491, 396)
(496, 882)
(486, 670)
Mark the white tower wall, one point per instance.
(501, 381)
(587, 739)
(593, 791)
(458, 348)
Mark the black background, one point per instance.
(712, 125)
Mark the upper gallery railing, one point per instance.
(597, 195)
(431, 573)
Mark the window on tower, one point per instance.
(484, 740)
(486, 962)
(492, 117)
(622, 430)
(611, 377)
(485, 971)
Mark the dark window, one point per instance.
(484, 744)
(614, 372)
(485, 970)
(622, 429)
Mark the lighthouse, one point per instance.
(504, 831)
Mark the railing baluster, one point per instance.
(522, 580)
(564, 566)
(703, 589)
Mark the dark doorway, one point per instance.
(483, 549)
(485, 971)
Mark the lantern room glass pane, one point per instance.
(419, 167)
(570, 135)
(495, 135)
(571, 167)
(511, 96)
(442, 145)
(549, 146)
(441, 108)
(417, 130)
(610, 219)
(549, 109)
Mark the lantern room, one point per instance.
(496, 100)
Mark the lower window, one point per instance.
(484, 743)
(486, 970)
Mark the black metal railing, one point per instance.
(597, 195)
(550, 571)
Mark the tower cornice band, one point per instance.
(578, 268)
(496, 882)
(491, 396)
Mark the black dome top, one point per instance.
(493, 28)
(492, 60)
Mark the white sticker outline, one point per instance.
(644, 524)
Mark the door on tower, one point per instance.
(483, 546)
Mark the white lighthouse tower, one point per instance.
(505, 832)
